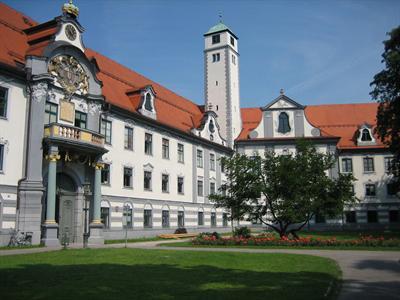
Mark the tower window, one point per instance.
(216, 57)
(216, 39)
(232, 41)
(234, 59)
(284, 126)
(216, 83)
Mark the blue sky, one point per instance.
(317, 51)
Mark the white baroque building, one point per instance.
(90, 146)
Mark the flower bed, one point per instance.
(273, 240)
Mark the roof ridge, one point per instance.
(116, 77)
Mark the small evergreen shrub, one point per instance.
(243, 232)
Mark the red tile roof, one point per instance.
(334, 120)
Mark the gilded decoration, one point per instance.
(69, 74)
(67, 111)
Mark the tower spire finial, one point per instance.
(220, 17)
(71, 9)
(282, 92)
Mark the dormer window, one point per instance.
(147, 107)
(284, 126)
(366, 135)
(147, 102)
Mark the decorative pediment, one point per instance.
(283, 102)
(148, 167)
(209, 128)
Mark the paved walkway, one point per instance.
(367, 275)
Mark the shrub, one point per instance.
(273, 240)
(180, 231)
(209, 234)
(242, 232)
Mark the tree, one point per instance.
(387, 92)
(296, 187)
(241, 188)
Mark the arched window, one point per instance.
(284, 126)
(147, 104)
(366, 135)
(211, 126)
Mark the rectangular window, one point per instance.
(213, 219)
(200, 218)
(212, 188)
(372, 216)
(165, 183)
(165, 148)
(165, 219)
(3, 102)
(180, 185)
(394, 216)
(199, 158)
(147, 180)
(105, 174)
(216, 39)
(225, 219)
(389, 164)
(232, 41)
(212, 161)
(222, 166)
(148, 144)
(368, 164)
(370, 190)
(234, 59)
(1, 157)
(200, 188)
(127, 177)
(127, 215)
(181, 219)
(347, 165)
(128, 138)
(181, 153)
(391, 189)
(105, 217)
(216, 57)
(105, 130)
(147, 218)
(50, 113)
(80, 119)
(350, 217)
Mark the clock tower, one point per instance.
(221, 61)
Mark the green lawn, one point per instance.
(162, 274)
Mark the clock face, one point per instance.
(70, 31)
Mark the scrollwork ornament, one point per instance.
(39, 92)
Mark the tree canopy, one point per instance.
(286, 191)
(386, 91)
